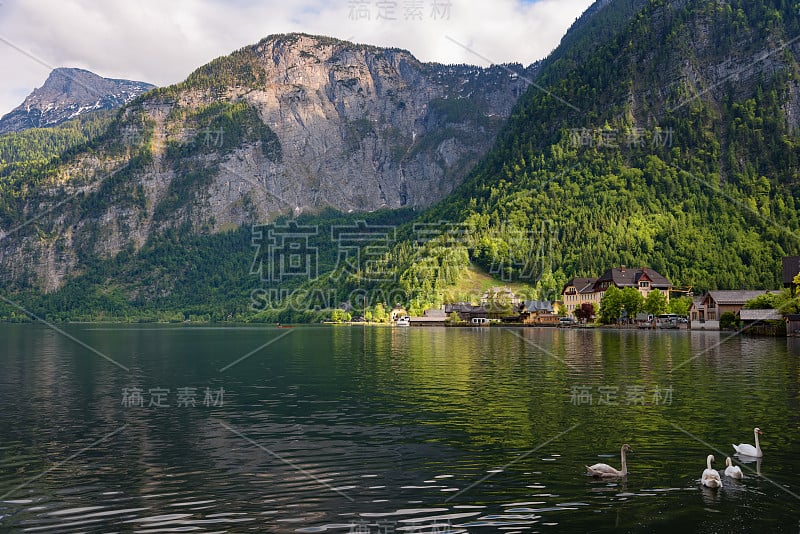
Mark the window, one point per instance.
(644, 283)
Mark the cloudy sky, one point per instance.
(162, 41)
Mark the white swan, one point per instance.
(711, 477)
(733, 471)
(748, 450)
(605, 470)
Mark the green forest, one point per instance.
(703, 190)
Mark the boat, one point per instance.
(404, 321)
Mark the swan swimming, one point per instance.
(605, 470)
(733, 471)
(711, 478)
(746, 449)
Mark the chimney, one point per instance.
(622, 268)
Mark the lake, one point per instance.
(392, 430)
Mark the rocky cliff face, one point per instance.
(293, 124)
(67, 94)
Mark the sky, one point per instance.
(162, 41)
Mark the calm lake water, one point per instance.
(392, 430)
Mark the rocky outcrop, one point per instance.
(293, 124)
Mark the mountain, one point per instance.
(668, 139)
(66, 94)
(293, 124)
(601, 21)
(671, 144)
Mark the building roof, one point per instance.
(579, 283)
(588, 288)
(624, 277)
(537, 305)
(760, 315)
(435, 312)
(462, 307)
(791, 266)
(427, 319)
(736, 297)
(697, 302)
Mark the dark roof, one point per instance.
(624, 277)
(537, 305)
(463, 307)
(588, 288)
(791, 266)
(421, 320)
(579, 282)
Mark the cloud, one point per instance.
(162, 42)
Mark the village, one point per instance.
(581, 300)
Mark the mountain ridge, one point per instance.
(67, 94)
(292, 124)
(728, 103)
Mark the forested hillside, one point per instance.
(673, 145)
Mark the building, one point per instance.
(718, 302)
(762, 322)
(397, 312)
(580, 290)
(791, 268)
(576, 292)
(706, 313)
(697, 311)
(430, 318)
(466, 312)
(644, 280)
(500, 298)
(793, 324)
(538, 312)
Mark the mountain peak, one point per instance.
(303, 40)
(68, 93)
